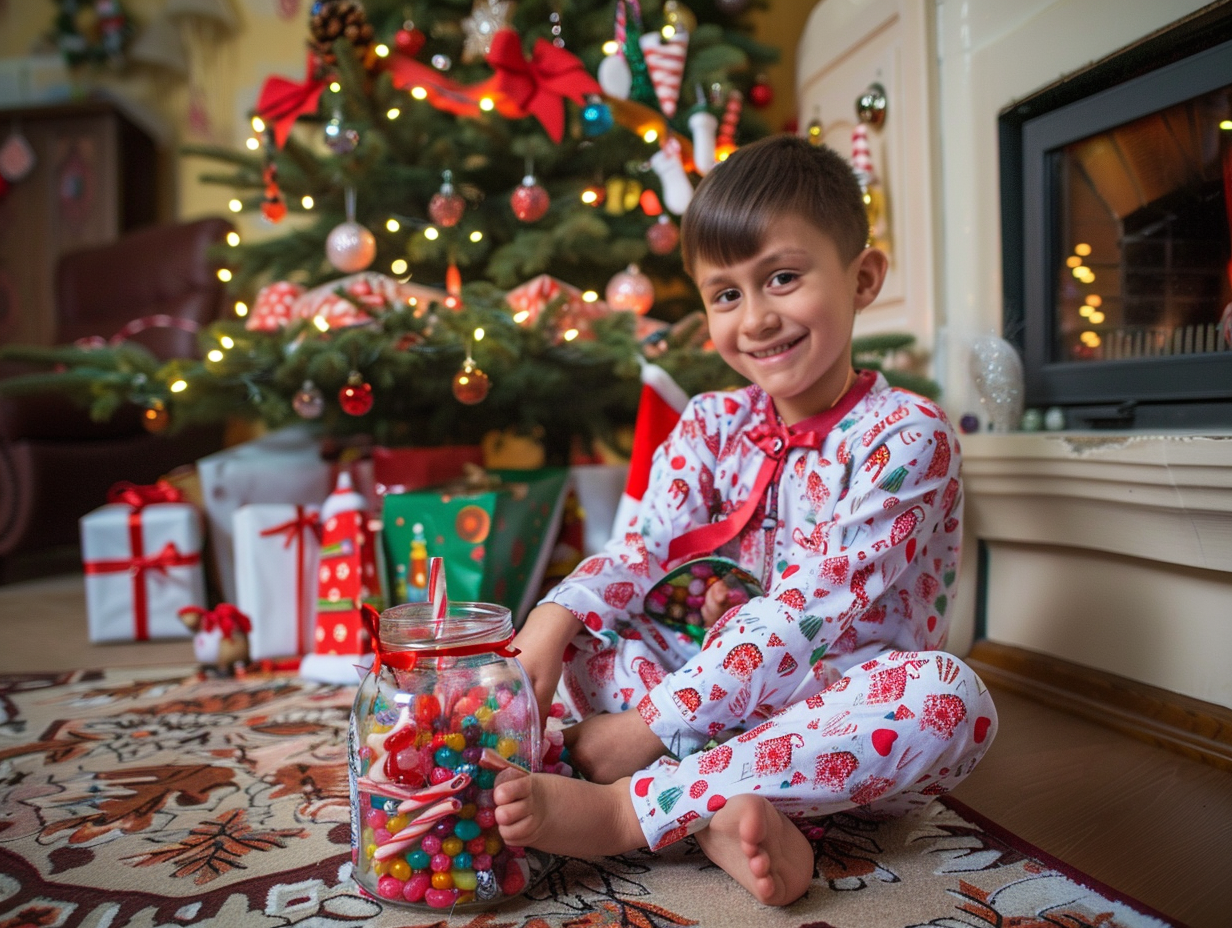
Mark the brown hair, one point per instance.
(735, 204)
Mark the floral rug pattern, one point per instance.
(152, 798)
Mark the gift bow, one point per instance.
(137, 496)
(282, 101)
(407, 659)
(224, 617)
(294, 527)
(538, 87)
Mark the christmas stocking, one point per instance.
(658, 411)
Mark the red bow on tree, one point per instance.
(138, 497)
(224, 617)
(283, 101)
(538, 87)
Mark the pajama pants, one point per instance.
(890, 734)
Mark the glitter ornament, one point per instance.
(356, 397)
(630, 290)
(339, 139)
(596, 117)
(447, 206)
(155, 417)
(663, 235)
(871, 106)
(487, 18)
(530, 201)
(442, 62)
(309, 402)
(470, 385)
(997, 372)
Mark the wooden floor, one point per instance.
(1152, 824)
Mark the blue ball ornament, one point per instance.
(596, 118)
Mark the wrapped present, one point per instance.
(399, 470)
(534, 296)
(142, 562)
(277, 546)
(495, 532)
(274, 306)
(362, 297)
(281, 467)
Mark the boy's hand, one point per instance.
(608, 746)
(719, 598)
(542, 640)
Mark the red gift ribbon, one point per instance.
(225, 617)
(406, 660)
(538, 86)
(282, 101)
(138, 496)
(294, 530)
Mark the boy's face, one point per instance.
(783, 317)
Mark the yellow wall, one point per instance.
(262, 44)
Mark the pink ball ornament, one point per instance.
(309, 402)
(663, 235)
(350, 247)
(630, 290)
(530, 201)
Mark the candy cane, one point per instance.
(436, 593)
(731, 117)
(417, 829)
(426, 796)
(385, 788)
(493, 761)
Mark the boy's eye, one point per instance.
(783, 278)
(726, 296)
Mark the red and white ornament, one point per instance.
(667, 163)
(274, 307)
(630, 290)
(530, 201)
(861, 156)
(336, 301)
(726, 143)
(665, 62)
(530, 299)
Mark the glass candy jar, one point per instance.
(444, 708)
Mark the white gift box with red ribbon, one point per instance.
(277, 547)
(142, 566)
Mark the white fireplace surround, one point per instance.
(1109, 550)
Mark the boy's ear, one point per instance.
(870, 267)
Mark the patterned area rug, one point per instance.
(152, 798)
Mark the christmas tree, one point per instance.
(501, 184)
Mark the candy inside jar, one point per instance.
(444, 710)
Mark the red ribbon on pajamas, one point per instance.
(294, 530)
(775, 440)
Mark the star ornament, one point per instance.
(487, 18)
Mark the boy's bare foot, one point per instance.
(760, 849)
(564, 816)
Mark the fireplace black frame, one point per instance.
(1188, 58)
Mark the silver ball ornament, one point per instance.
(350, 247)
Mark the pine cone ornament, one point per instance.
(339, 19)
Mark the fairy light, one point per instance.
(610, 47)
(253, 144)
(224, 275)
(589, 296)
(393, 113)
(521, 316)
(258, 124)
(227, 341)
(487, 104)
(393, 225)
(215, 355)
(431, 233)
(178, 386)
(235, 206)
(413, 302)
(334, 86)
(1096, 317)
(1226, 125)
(307, 202)
(241, 308)
(321, 323)
(570, 335)
(397, 266)
(668, 31)
(419, 93)
(1082, 248)
(479, 334)
(476, 236)
(1073, 261)
(233, 239)
(1094, 299)
(589, 196)
(382, 50)
(1085, 311)
(650, 135)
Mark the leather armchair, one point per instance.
(55, 463)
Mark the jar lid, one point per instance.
(467, 628)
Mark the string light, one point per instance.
(590, 296)
(224, 275)
(487, 104)
(392, 225)
(431, 234)
(393, 113)
(476, 236)
(1082, 248)
(214, 355)
(610, 47)
(258, 124)
(1094, 299)
(522, 316)
(1097, 317)
(570, 335)
(650, 135)
(334, 86)
(479, 334)
(253, 144)
(321, 323)
(308, 202)
(178, 386)
(233, 239)
(382, 51)
(227, 341)
(419, 93)
(398, 267)
(1073, 261)
(235, 206)
(241, 308)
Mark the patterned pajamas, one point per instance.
(831, 691)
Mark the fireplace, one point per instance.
(1116, 187)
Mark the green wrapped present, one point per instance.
(495, 530)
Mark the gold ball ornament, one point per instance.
(470, 385)
(156, 417)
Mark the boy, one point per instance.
(841, 495)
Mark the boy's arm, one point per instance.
(542, 640)
(898, 512)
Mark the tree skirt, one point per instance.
(150, 798)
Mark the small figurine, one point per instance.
(220, 637)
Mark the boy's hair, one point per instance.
(736, 203)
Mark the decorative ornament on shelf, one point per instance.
(356, 397)
(273, 204)
(870, 184)
(761, 94)
(814, 131)
(630, 290)
(447, 205)
(871, 106)
(309, 402)
(349, 246)
(663, 236)
(596, 117)
(703, 124)
(155, 417)
(487, 18)
(667, 163)
(996, 370)
(530, 201)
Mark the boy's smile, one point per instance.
(783, 317)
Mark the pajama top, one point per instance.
(851, 519)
